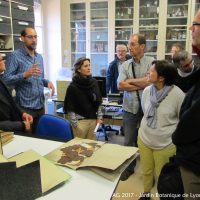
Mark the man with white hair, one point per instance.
(114, 68)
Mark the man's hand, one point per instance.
(27, 118)
(2, 65)
(51, 86)
(32, 71)
(27, 126)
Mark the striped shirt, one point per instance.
(29, 91)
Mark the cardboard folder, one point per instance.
(98, 156)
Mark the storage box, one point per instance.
(27, 2)
(5, 26)
(4, 8)
(22, 12)
(17, 43)
(19, 25)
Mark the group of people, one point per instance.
(169, 125)
(159, 87)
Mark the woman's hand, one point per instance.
(100, 121)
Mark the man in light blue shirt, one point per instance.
(129, 85)
(25, 73)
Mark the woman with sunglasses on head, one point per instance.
(83, 101)
(161, 102)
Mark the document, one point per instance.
(79, 153)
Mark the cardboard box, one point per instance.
(62, 86)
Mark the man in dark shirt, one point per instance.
(11, 117)
(114, 68)
(187, 70)
(186, 136)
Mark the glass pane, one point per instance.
(148, 24)
(122, 33)
(38, 14)
(78, 31)
(39, 40)
(75, 56)
(99, 64)
(177, 16)
(197, 5)
(99, 38)
(123, 21)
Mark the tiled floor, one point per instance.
(132, 188)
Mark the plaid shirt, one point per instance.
(29, 91)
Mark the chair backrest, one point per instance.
(55, 127)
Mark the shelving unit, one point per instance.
(108, 23)
(99, 37)
(78, 31)
(177, 24)
(148, 24)
(14, 16)
(6, 42)
(124, 21)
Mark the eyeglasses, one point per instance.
(31, 36)
(195, 24)
(121, 51)
(133, 45)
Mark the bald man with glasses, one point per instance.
(187, 70)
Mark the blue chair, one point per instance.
(54, 127)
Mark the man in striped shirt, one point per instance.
(25, 73)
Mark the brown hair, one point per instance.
(77, 65)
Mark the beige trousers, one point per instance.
(85, 129)
(191, 184)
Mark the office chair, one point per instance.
(108, 129)
(54, 127)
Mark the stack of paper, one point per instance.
(6, 137)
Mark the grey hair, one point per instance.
(178, 45)
(181, 56)
(121, 46)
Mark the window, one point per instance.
(39, 25)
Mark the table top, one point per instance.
(84, 183)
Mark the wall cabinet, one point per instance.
(14, 16)
(97, 26)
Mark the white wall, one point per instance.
(52, 38)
